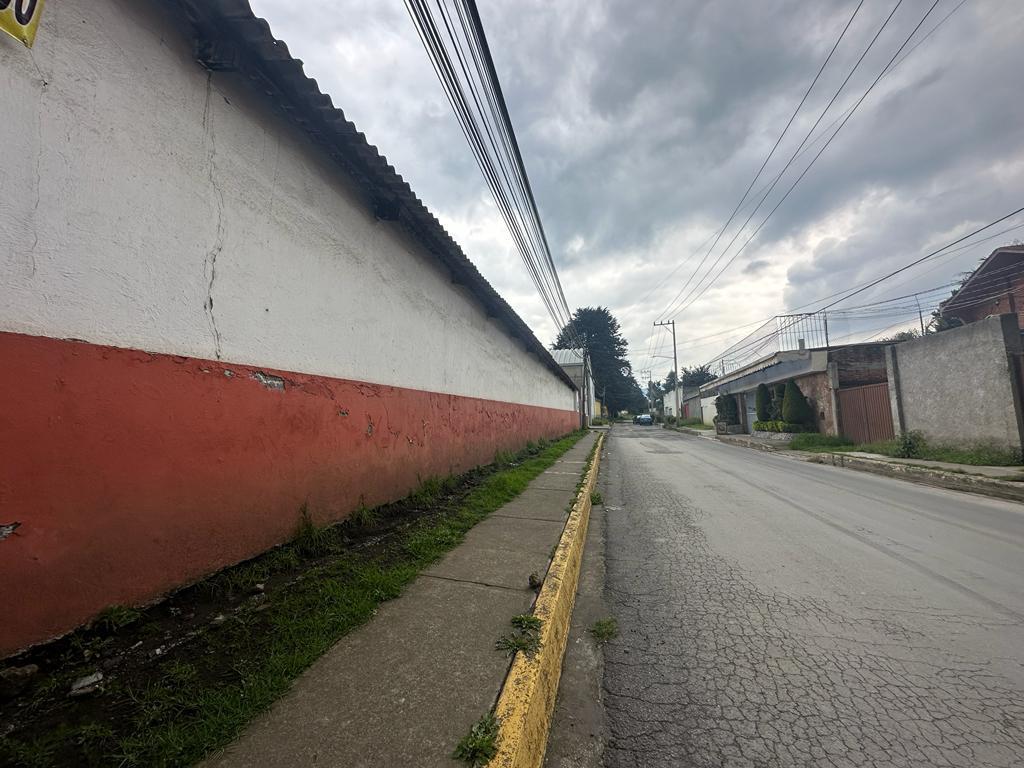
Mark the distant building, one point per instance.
(996, 287)
(846, 387)
(575, 363)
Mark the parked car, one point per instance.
(644, 419)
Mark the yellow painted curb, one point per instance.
(527, 699)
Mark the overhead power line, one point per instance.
(457, 47)
(778, 141)
(700, 291)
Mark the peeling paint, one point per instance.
(6, 529)
(268, 380)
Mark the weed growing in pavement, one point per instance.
(178, 707)
(527, 642)
(605, 630)
(478, 747)
(527, 622)
(525, 636)
(596, 497)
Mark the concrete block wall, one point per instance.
(204, 327)
(961, 385)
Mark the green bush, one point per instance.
(813, 441)
(775, 407)
(795, 408)
(670, 421)
(763, 403)
(909, 445)
(597, 421)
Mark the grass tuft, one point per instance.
(364, 517)
(596, 497)
(478, 747)
(311, 540)
(525, 642)
(527, 622)
(605, 630)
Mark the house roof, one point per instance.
(568, 356)
(984, 280)
(227, 36)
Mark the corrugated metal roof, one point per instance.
(227, 36)
(568, 356)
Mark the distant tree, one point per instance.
(670, 382)
(795, 408)
(764, 401)
(896, 338)
(697, 376)
(655, 395)
(599, 332)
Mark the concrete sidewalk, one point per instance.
(405, 687)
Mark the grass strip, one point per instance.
(978, 453)
(177, 710)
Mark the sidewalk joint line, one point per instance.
(471, 581)
(520, 517)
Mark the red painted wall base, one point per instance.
(132, 473)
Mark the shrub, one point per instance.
(670, 420)
(597, 421)
(775, 407)
(795, 408)
(910, 445)
(764, 400)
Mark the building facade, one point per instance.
(996, 287)
(826, 376)
(219, 305)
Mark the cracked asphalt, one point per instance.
(777, 613)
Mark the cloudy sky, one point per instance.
(642, 124)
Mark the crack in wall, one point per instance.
(210, 259)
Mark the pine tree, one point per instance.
(599, 331)
(795, 408)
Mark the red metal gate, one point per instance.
(865, 415)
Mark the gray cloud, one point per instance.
(642, 123)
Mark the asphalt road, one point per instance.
(777, 613)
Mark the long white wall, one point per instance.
(146, 204)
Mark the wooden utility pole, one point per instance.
(675, 362)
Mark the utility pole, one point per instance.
(920, 315)
(675, 361)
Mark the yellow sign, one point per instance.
(20, 19)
